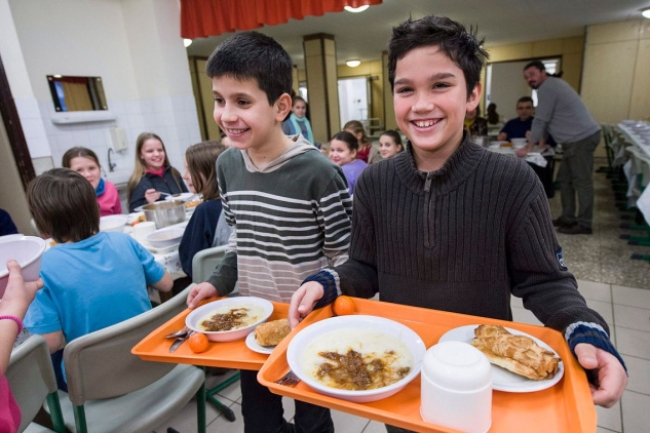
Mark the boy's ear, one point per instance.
(474, 97)
(282, 107)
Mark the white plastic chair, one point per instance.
(205, 261)
(111, 390)
(32, 382)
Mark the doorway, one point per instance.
(354, 99)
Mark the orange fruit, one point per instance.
(343, 306)
(198, 342)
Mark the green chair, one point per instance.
(32, 381)
(112, 390)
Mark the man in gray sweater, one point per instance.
(561, 113)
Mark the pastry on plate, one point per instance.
(271, 333)
(516, 353)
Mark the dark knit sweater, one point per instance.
(199, 233)
(460, 239)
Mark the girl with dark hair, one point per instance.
(343, 152)
(390, 144)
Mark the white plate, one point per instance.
(502, 379)
(184, 196)
(252, 344)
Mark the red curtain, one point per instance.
(202, 18)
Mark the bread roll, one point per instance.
(271, 333)
(516, 353)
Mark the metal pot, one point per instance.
(165, 213)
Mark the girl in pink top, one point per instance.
(15, 302)
(84, 161)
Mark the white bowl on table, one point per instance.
(27, 251)
(352, 332)
(194, 319)
(518, 143)
(166, 237)
(113, 223)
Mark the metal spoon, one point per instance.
(178, 334)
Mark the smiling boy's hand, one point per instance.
(303, 301)
(200, 292)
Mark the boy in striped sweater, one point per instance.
(287, 202)
(450, 226)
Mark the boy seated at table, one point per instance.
(472, 227)
(91, 279)
(288, 204)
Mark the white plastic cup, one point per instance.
(143, 229)
(456, 389)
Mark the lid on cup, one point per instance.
(457, 366)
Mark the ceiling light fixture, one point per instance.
(646, 13)
(187, 42)
(356, 10)
(353, 63)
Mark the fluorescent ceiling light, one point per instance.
(646, 13)
(356, 10)
(187, 42)
(353, 63)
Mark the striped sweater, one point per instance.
(291, 218)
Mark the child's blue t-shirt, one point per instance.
(92, 284)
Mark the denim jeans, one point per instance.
(263, 413)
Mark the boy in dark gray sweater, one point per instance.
(450, 226)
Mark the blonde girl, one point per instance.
(152, 173)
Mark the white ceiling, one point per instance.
(365, 35)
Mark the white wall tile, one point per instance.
(39, 147)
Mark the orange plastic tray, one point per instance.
(233, 354)
(565, 407)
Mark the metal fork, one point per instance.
(289, 379)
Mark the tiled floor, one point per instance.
(613, 285)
